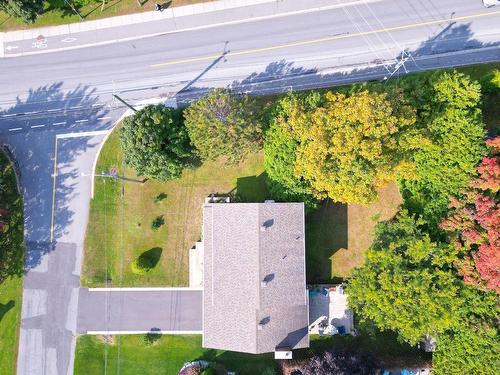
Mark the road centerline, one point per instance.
(323, 40)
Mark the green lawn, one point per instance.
(11, 248)
(56, 14)
(132, 356)
(166, 356)
(119, 232)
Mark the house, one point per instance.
(254, 282)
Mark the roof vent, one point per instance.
(266, 225)
(263, 322)
(269, 277)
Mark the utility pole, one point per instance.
(124, 102)
(401, 63)
(74, 9)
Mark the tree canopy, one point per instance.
(343, 149)
(474, 222)
(223, 124)
(26, 10)
(280, 150)
(407, 283)
(155, 142)
(452, 124)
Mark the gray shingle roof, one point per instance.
(246, 244)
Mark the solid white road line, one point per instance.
(152, 289)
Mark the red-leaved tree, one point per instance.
(476, 221)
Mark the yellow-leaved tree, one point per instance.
(351, 145)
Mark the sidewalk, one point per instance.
(147, 24)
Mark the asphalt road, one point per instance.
(50, 95)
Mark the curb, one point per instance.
(144, 332)
(146, 289)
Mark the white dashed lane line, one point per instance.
(85, 120)
(59, 123)
(37, 126)
(14, 129)
(104, 118)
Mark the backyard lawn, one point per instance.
(118, 232)
(338, 235)
(54, 14)
(11, 287)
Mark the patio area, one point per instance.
(329, 313)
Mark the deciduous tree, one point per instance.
(451, 120)
(223, 124)
(155, 142)
(343, 149)
(26, 10)
(407, 283)
(475, 220)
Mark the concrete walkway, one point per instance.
(147, 24)
(169, 310)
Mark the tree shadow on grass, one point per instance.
(4, 308)
(326, 233)
(252, 189)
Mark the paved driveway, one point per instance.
(174, 310)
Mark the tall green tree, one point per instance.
(407, 283)
(224, 124)
(156, 143)
(444, 165)
(26, 10)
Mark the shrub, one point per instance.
(157, 222)
(160, 197)
(146, 261)
(152, 337)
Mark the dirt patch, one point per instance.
(107, 339)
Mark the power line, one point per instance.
(367, 40)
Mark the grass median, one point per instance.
(11, 261)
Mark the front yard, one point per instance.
(119, 230)
(11, 261)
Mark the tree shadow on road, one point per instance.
(282, 76)
(34, 149)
